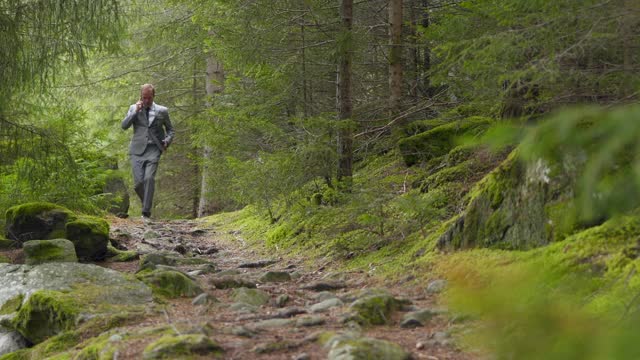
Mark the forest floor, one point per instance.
(252, 334)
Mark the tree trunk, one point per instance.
(343, 94)
(214, 86)
(395, 56)
(426, 83)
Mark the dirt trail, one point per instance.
(243, 333)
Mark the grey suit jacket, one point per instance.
(143, 132)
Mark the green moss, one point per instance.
(170, 284)
(24, 354)
(44, 251)
(30, 218)
(563, 219)
(4, 259)
(12, 305)
(121, 256)
(90, 236)
(44, 314)
(99, 348)
(173, 346)
(374, 309)
(439, 140)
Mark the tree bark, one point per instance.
(395, 56)
(343, 93)
(214, 86)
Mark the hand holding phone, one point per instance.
(139, 105)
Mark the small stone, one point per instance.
(204, 299)
(275, 276)
(436, 286)
(326, 305)
(307, 321)
(419, 345)
(325, 285)
(303, 356)
(282, 300)
(257, 264)
(115, 338)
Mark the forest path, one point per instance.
(287, 325)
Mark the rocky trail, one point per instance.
(213, 297)
(269, 308)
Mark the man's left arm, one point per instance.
(169, 131)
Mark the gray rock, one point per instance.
(257, 264)
(275, 276)
(231, 282)
(253, 297)
(282, 300)
(289, 312)
(272, 323)
(436, 286)
(49, 251)
(346, 347)
(326, 305)
(11, 341)
(111, 286)
(174, 346)
(307, 321)
(323, 295)
(325, 285)
(418, 318)
(204, 299)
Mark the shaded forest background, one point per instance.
(271, 96)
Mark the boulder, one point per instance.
(44, 300)
(47, 251)
(250, 296)
(115, 193)
(375, 309)
(90, 236)
(11, 341)
(37, 221)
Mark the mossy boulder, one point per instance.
(374, 309)
(44, 251)
(519, 205)
(343, 347)
(90, 236)
(37, 221)
(180, 346)
(439, 140)
(44, 314)
(64, 291)
(170, 283)
(116, 255)
(275, 276)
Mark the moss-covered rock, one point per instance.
(116, 255)
(170, 283)
(12, 305)
(177, 346)
(374, 309)
(37, 221)
(90, 236)
(275, 276)
(44, 314)
(44, 251)
(254, 297)
(516, 206)
(439, 140)
(342, 347)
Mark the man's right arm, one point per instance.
(128, 120)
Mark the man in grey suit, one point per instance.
(150, 121)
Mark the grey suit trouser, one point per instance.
(144, 172)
